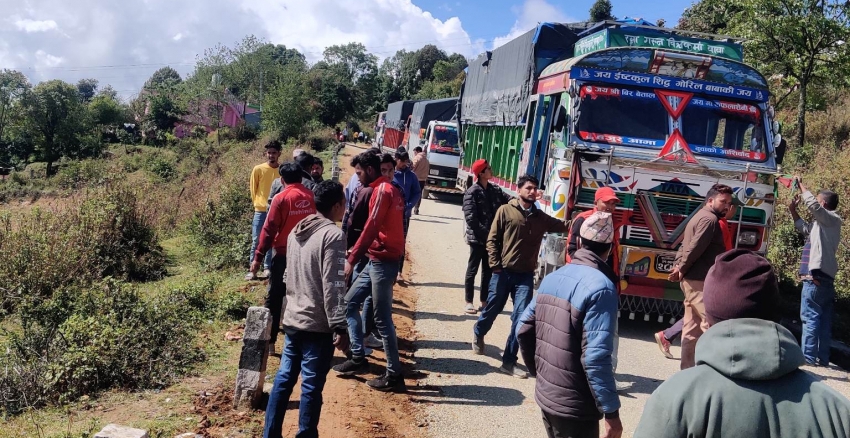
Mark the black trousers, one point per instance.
(422, 189)
(560, 427)
(276, 293)
(477, 256)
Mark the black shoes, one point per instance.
(351, 367)
(387, 383)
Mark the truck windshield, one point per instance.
(625, 116)
(726, 129)
(634, 117)
(444, 140)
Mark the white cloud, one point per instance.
(123, 43)
(30, 26)
(529, 15)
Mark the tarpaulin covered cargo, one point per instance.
(398, 112)
(498, 83)
(426, 111)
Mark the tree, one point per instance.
(333, 96)
(163, 111)
(709, 16)
(109, 92)
(87, 89)
(601, 11)
(54, 117)
(106, 111)
(13, 86)
(165, 77)
(802, 40)
(286, 106)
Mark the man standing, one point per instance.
(382, 240)
(567, 338)
(480, 203)
(304, 161)
(314, 320)
(818, 267)
(317, 170)
(747, 381)
(289, 207)
(703, 241)
(421, 166)
(512, 246)
(262, 178)
(406, 179)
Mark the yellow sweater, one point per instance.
(262, 178)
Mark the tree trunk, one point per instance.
(49, 170)
(801, 116)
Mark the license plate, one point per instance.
(443, 184)
(664, 263)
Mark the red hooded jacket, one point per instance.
(293, 203)
(383, 235)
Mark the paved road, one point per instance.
(467, 397)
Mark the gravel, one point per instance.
(463, 394)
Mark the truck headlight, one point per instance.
(748, 238)
(434, 172)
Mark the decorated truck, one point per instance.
(433, 126)
(396, 121)
(655, 114)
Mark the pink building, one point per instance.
(202, 115)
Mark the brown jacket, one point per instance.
(516, 235)
(703, 242)
(420, 166)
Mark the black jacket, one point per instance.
(479, 209)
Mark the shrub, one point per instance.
(106, 235)
(76, 174)
(84, 340)
(221, 230)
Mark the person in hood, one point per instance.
(409, 183)
(289, 206)
(818, 267)
(567, 338)
(382, 240)
(747, 381)
(512, 246)
(314, 320)
(480, 204)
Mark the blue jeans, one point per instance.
(376, 280)
(308, 354)
(367, 315)
(256, 229)
(519, 286)
(816, 310)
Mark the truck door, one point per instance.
(536, 144)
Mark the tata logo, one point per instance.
(304, 203)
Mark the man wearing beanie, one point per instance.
(818, 267)
(567, 338)
(702, 242)
(747, 381)
(480, 203)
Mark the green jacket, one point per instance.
(747, 383)
(516, 235)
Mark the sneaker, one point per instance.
(350, 367)
(513, 371)
(267, 273)
(663, 345)
(416, 211)
(250, 276)
(470, 309)
(372, 342)
(622, 386)
(388, 383)
(478, 345)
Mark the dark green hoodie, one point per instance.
(747, 383)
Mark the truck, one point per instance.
(433, 126)
(658, 115)
(396, 121)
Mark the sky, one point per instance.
(123, 42)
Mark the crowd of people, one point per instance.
(332, 287)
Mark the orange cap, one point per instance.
(605, 194)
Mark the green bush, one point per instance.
(107, 235)
(222, 230)
(77, 174)
(84, 340)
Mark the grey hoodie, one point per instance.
(747, 383)
(315, 271)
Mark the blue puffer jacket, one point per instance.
(567, 336)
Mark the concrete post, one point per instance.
(252, 362)
(116, 431)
